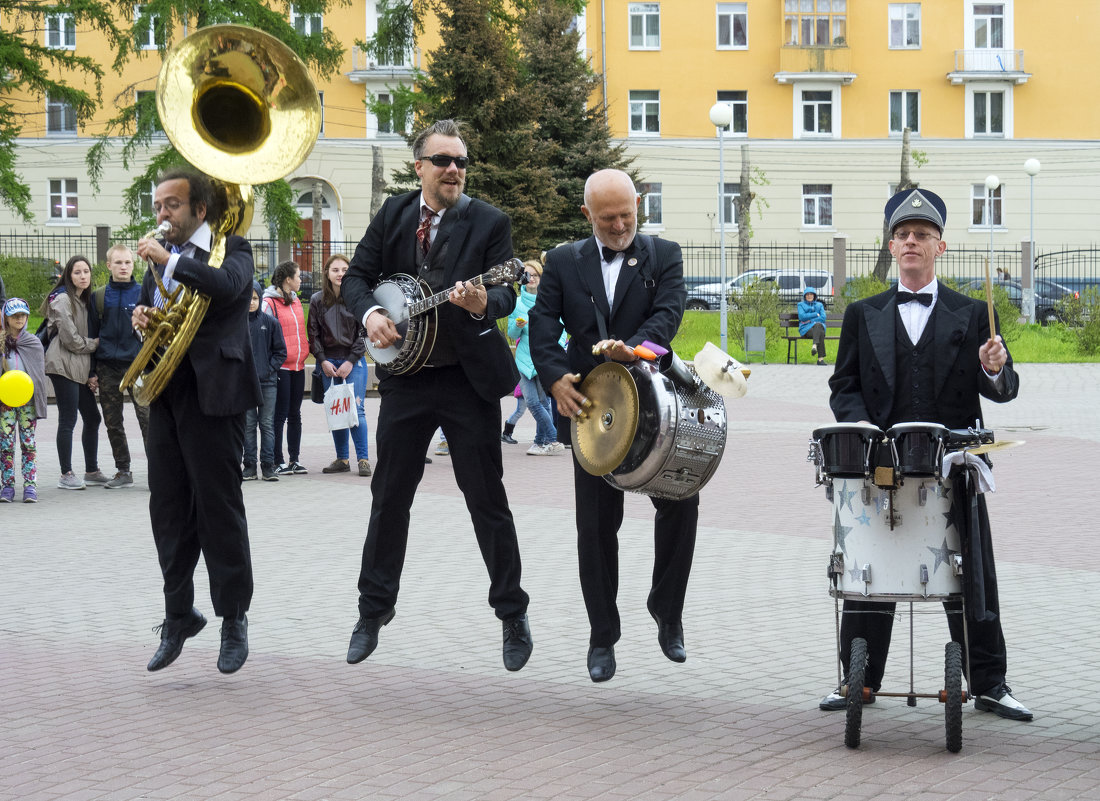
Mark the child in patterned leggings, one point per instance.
(20, 350)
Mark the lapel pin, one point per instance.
(633, 261)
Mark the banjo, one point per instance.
(409, 303)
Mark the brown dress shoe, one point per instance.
(364, 467)
(337, 466)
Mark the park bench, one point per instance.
(788, 324)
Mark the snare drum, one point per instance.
(918, 448)
(680, 438)
(846, 450)
(894, 545)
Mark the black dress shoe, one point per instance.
(234, 644)
(364, 637)
(517, 642)
(838, 700)
(1000, 702)
(601, 663)
(172, 634)
(670, 636)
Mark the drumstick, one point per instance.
(989, 302)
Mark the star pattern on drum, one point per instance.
(943, 490)
(943, 554)
(863, 519)
(856, 574)
(840, 532)
(846, 496)
(949, 518)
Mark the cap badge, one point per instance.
(917, 203)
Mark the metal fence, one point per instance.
(49, 250)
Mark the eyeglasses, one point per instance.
(920, 236)
(444, 161)
(172, 204)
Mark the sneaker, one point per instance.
(337, 466)
(508, 438)
(539, 450)
(364, 467)
(813, 350)
(556, 447)
(71, 481)
(268, 471)
(249, 473)
(297, 469)
(821, 362)
(7, 495)
(1000, 702)
(441, 449)
(96, 478)
(285, 470)
(30, 495)
(122, 478)
(834, 701)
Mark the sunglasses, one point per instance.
(440, 160)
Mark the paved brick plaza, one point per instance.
(434, 715)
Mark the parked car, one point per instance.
(1045, 308)
(704, 297)
(790, 284)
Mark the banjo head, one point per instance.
(393, 297)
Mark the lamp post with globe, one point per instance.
(1031, 167)
(721, 115)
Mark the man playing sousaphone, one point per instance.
(196, 425)
(614, 291)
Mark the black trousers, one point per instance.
(599, 516)
(987, 655)
(72, 398)
(412, 408)
(817, 334)
(195, 499)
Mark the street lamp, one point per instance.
(721, 115)
(1031, 167)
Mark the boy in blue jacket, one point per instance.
(811, 322)
(268, 354)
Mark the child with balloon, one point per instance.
(22, 399)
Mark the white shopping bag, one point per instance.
(340, 409)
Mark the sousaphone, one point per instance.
(240, 106)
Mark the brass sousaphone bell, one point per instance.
(240, 106)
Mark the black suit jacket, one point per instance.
(863, 382)
(221, 352)
(648, 305)
(473, 237)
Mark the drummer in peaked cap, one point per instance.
(922, 352)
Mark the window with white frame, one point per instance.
(387, 115)
(148, 33)
(989, 113)
(739, 105)
(60, 117)
(817, 205)
(980, 208)
(733, 26)
(645, 113)
(731, 193)
(904, 25)
(817, 112)
(905, 112)
(61, 31)
(145, 199)
(147, 104)
(63, 200)
(989, 25)
(815, 23)
(651, 203)
(645, 26)
(305, 23)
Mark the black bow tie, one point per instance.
(609, 254)
(923, 298)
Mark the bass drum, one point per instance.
(680, 438)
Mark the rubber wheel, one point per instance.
(952, 682)
(856, 672)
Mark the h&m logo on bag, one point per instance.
(340, 406)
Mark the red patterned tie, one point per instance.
(423, 233)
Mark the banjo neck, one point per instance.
(439, 298)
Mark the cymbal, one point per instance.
(602, 440)
(1004, 444)
(721, 372)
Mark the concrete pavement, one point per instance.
(434, 715)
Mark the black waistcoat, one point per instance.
(914, 386)
(430, 270)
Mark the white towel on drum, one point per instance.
(985, 475)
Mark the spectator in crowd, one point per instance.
(538, 402)
(338, 341)
(269, 355)
(811, 322)
(281, 302)
(69, 366)
(20, 350)
(110, 321)
(510, 423)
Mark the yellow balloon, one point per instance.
(16, 388)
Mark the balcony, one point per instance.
(989, 64)
(807, 64)
(364, 68)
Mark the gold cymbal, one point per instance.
(1004, 444)
(602, 440)
(721, 372)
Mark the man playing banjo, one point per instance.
(614, 291)
(444, 238)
